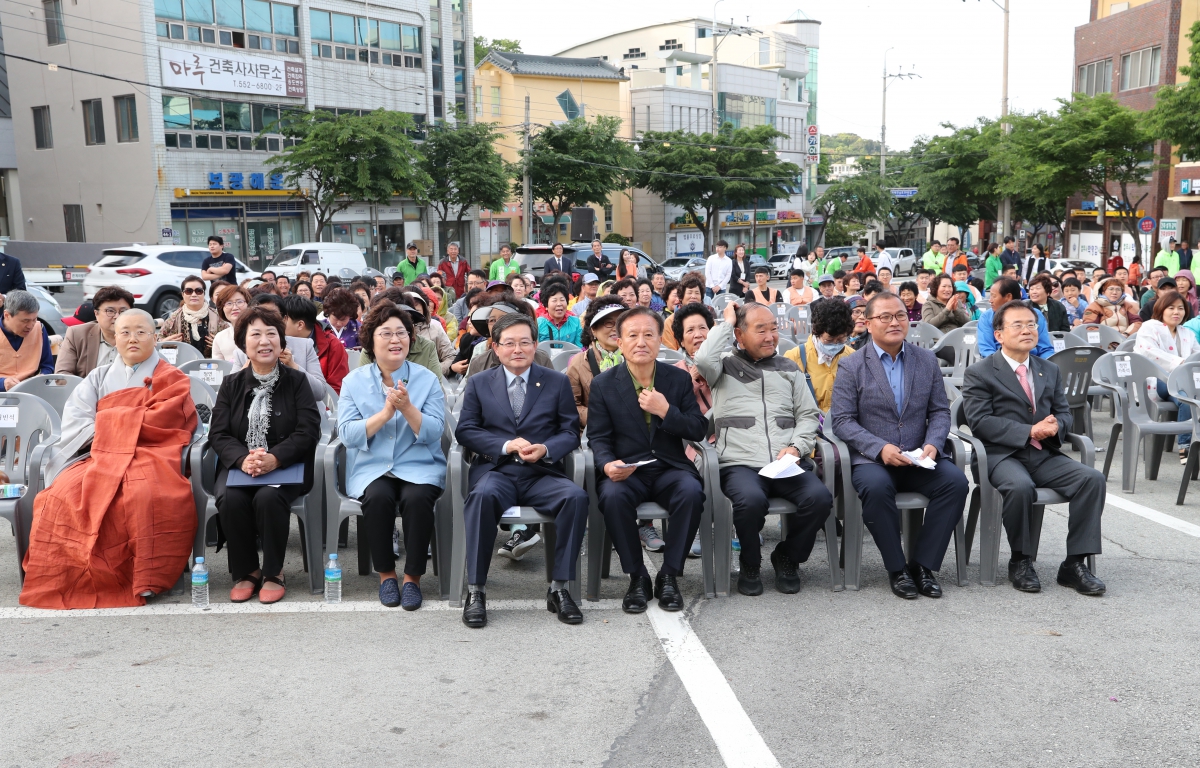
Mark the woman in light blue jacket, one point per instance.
(390, 417)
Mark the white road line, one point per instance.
(1183, 526)
(355, 606)
(739, 742)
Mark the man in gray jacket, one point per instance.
(763, 411)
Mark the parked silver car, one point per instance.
(677, 266)
(49, 311)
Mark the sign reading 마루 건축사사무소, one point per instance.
(232, 73)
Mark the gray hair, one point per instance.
(142, 315)
(455, 244)
(16, 302)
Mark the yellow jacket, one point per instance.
(821, 376)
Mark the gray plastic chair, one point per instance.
(204, 398)
(924, 335)
(785, 345)
(985, 507)
(971, 324)
(1075, 365)
(29, 429)
(177, 352)
(1098, 335)
(721, 301)
(561, 360)
(353, 358)
(557, 347)
(1123, 375)
(211, 371)
(459, 472)
(338, 507)
(599, 544)
(54, 388)
(668, 355)
(963, 341)
(798, 323)
(1183, 382)
(953, 392)
(912, 512)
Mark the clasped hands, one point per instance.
(1047, 427)
(396, 398)
(527, 451)
(259, 462)
(894, 457)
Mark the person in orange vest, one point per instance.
(954, 257)
(864, 261)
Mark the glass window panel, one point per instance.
(281, 45)
(460, 53)
(214, 142)
(368, 32)
(272, 145)
(285, 19)
(201, 141)
(437, 77)
(253, 42)
(176, 31)
(206, 114)
(177, 113)
(343, 28)
(231, 142)
(185, 141)
(237, 116)
(435, 50)
(460, 81)
(163, 29)
(1125, 61)
(229, 13)
(209, 36)
(199, 11)
(168, 9)
(293, 46)
(319, 21)
(258, 15)
(194, 34)
(172, 140)
(1155, 63)
(270, 119)
(412, 39)
(389, 36)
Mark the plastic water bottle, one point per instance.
(333, 580)
(200, 584)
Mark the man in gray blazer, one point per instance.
(888, 399)
(1014, 404)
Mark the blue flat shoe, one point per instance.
(389, 593)
(410, 598)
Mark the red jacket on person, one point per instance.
(455, 275)
(332, 355)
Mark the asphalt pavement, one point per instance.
(985, 675)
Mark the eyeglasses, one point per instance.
(111, 312)
(239, 304)
(511, 345)
(193, 291)
(139, 335)
(389, 335)
(858, 313)
(898, 317)
(1031, 326)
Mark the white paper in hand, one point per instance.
(915, 455)
(623, 465)
(781, 468)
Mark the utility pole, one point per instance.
(1006, 203)
(526, 193)
(883, 129)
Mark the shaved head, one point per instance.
(135, 336)
(135, 318)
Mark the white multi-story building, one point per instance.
(763, 76)
(141, 120)
(845, 169)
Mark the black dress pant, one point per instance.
(251, 513)
(1017, 478)
(678, 491)
(416, 502)
(749, 493)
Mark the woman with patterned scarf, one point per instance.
(265, 420)
(196, 321)
(601, 349)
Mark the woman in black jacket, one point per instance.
(1055, 313)
(265, 419)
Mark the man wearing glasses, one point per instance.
(91, 345)
(520, 422)
(890, 407)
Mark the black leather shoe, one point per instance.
(475, 610)
(637, 595)
(903, 585)
(1077, 576)
(559, 601)
(666, 589)
(749, 581)
(1023, 577)
(787, 578)
(927, 583)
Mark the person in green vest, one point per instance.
(993, 266)
(833, 264)
(411, 265)
(933, 258)
(1168, 257)
(504, 266)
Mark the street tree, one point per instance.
(851, 204)
(704, 173)
(483, 45)
(339, 161)
(464, 169)
(578, 163)
(1175, 116)
(956, 184)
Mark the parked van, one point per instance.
(328, 258)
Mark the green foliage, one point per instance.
(618, 238)
(842, 145)
(842, 233)
(464, 168)
(339, 161)
(857, 200)
(578, 162)
(482, 46)
(1176, 115)
(704, 173)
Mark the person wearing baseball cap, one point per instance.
(827, 286)
(411, 265)
(588, 288)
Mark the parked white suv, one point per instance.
(152, 273)
(329, 258)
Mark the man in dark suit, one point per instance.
(888, 399)
(655, 405)
(598, 263)
(12, 278)
(1014, 404)
(519, 420)
(557, 263)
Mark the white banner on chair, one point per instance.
(1124, 368)
(1059, 345)
(210, 376)
(8, 415)
(1196, 379)
(170, 354)
(1093, 337)
(969, 340)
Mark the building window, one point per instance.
(608, 217)
(703, 32)
(73, 217)
(56, 33)
(198, 123)
(496, 100)
(362, 40)
(478, 100)
(1140, 68)
(670, 45)
(438, 110)
(1095, 78)
(764, 50)
(634, 53)
(42, 137)
(278, 21)
(569, 106)
(127, 127)
(93, 122)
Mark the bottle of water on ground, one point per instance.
(200, 584)
(333, 580)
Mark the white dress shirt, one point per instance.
(717, 271)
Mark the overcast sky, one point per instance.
(954, 45)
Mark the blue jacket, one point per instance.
(570, 331)
(864, 408)
(987, 338)
(11, 276)
(394, 448)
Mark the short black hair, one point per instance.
(862, 249)
(998, 318)
(1008, 287)
(267, 316)
(880, 244)
(216, 239)
(909, 285)
(552, 287)
(935, 242)
(881, 296)
(112, 293)
(303, 310)
(1071, 282)
(511, 319)
(380, 314)
(762, 269)
(1009, 239)
(833, 317)
(923, 271)
(959, 268)
(722, 243)
(639, 311)
(275, 300)
(1008, 267)
(794, 272)
(479, 273)
(688, 310)
(839, 274)
(872, 288)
